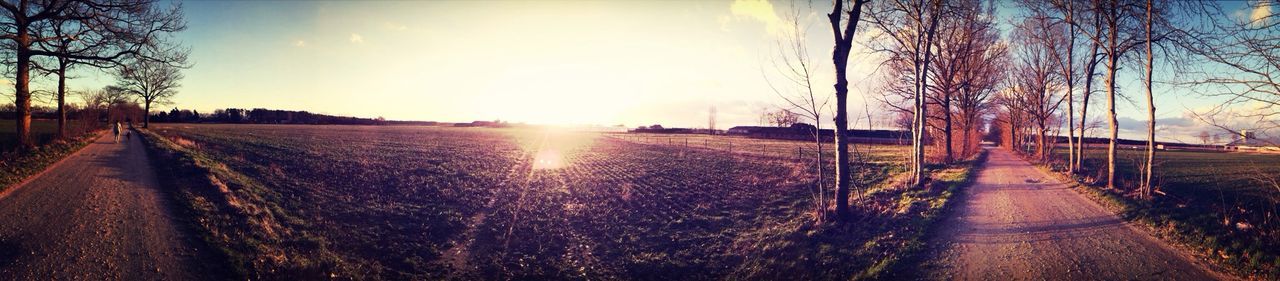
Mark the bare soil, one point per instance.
(1017, 223)
(97, 215)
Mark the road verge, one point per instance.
(16, 168)
(949, 183)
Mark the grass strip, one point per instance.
(946, 190)
(234, 215)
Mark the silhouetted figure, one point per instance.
(115, 131)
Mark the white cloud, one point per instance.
(760, 10)
(356, 38)
(299, 43)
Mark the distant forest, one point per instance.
(270, 116)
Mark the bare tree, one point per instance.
(794, 65)
(1060, 14)
(840, 57)
(1116, 38)
(907, 35)
(711, 120)
(65, 44)
(126, 26)
(1091, 62)
(976, 54)
(152, 81)
(780, 118)
(967, 67)
(1241, 68)
(1033, 82)
(1145, 187)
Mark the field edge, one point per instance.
(19, 167)
(220, 204)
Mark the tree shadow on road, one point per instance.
(9, 252)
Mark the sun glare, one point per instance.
(554, 146)
(548, 159)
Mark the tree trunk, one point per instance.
(1090, 68)
(842, 144)
(1071, 131)
(1111, 106)
(1084, 106)
(1041, 146)
(968, 126)
(146, 113)
(62, 98)
(822, 200)
(923, 106)
(917, 143)
(840, 57)
(1070, 71)
(1151, 113)
(946, 119)
(22, 96)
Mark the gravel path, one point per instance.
(97, 215)
(1017, 223)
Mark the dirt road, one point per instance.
(97, 215)
(1016, 223)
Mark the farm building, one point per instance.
(488, 124)
(1249, 142)
(657, 129)
(796, 131)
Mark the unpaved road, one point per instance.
(97, 215)
(1017, 223)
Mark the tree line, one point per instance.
(265, 116)
(1070, 51)
(130, 39)
(949, 72)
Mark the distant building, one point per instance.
(658, 129)
(488, 124)
(1247, 141)
(796, 131)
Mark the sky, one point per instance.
(545, 62)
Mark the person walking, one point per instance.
(115, 130)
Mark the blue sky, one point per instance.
(579, 62)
